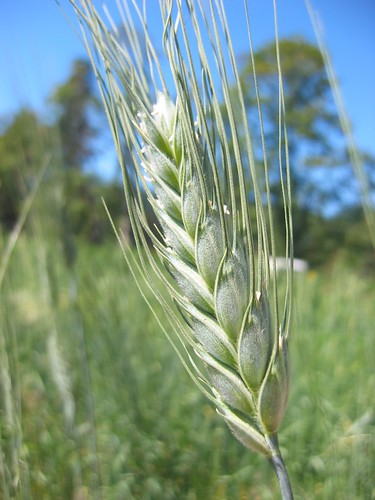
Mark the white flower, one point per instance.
(164, 113)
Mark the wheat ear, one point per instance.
(247, 365)
(193, 170)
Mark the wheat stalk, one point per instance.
(231, 337)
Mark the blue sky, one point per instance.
(37, 47)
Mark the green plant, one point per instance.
(208, 257)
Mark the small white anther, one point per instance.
(226, 211)
(258, 294)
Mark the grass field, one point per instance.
(95, 404)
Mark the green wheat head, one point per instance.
(211, 260)
(188, 164)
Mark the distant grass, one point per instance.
(153, 428)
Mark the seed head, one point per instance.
(232, 330)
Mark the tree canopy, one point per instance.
(321, 175)
(25, 143)
(77, 103)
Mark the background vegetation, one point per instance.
(94, 402)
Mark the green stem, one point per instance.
(278, 465)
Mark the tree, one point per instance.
(77, 109)
(310, 113)
(25, 144)
(313, 128)
(78, 117)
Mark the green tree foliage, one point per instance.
(319, 167)
(25, 144)
(77, 107)
(83, 213)
(72, 198)
(311, 117)
(326, 200)
(78, 124)
(69, 199)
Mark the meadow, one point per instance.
(95, 403)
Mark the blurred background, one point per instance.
(94, 403)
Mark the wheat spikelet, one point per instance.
(189, 165)
(247, 365)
